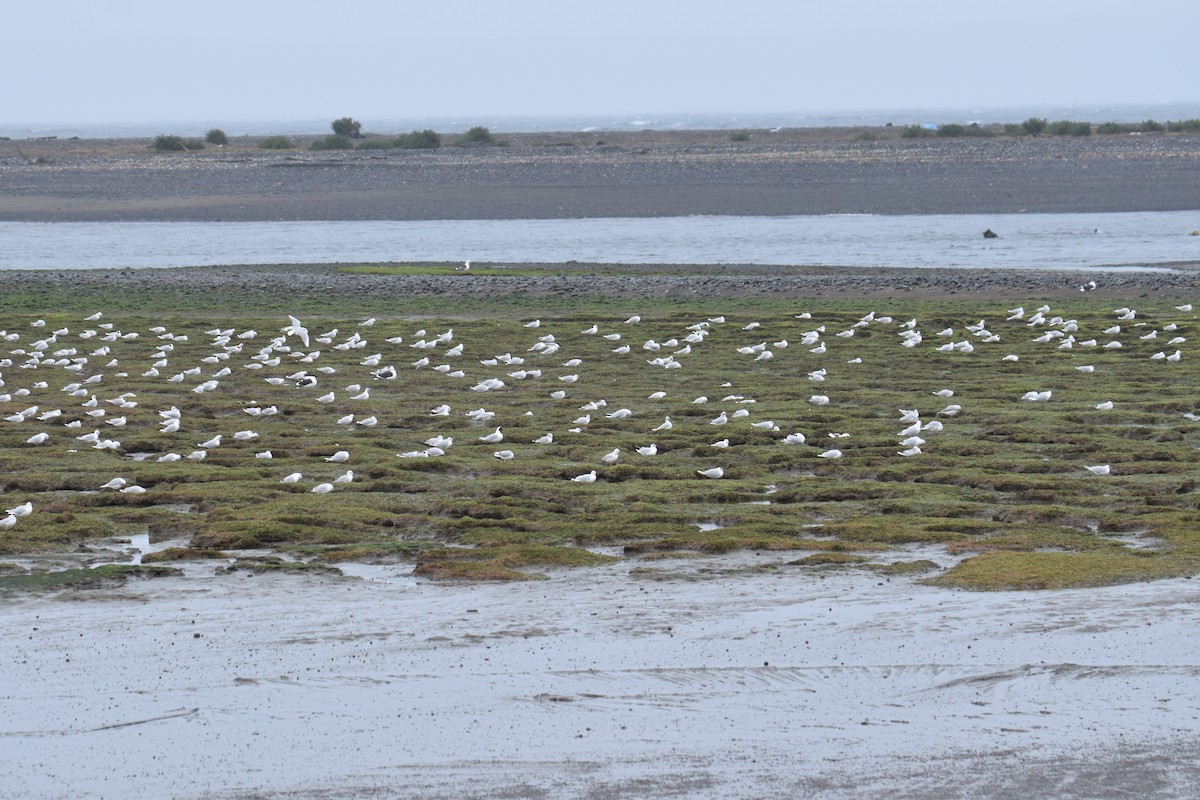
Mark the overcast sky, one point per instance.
(140, 60)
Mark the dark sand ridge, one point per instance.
(604, 175)
(628, 282)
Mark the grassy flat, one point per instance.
(1002, 485)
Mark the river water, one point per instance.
(1141, 240)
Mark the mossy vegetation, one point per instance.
(1001, 487)
(830, 560)
(83, 578)
(268, 565)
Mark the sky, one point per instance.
(130, 61)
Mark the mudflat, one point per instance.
(608, 174)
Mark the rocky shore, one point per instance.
(787, 172)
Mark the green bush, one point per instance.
(477, 135)
(334, 141)
(1147, 126)
(739, 136)
(419, 140)
(277, 143)
(216, 136)
(1066, 127)
(167, 142)
(1184, 125)
(347, 127)
(915, 132)
(1034, 125)
(376, 144)
(1012, 129)
(955, 129)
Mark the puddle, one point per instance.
(617, 551)
(1138, 540)
(129, 549)
(134, 547)
(140, 542)
(757, 503)
(174, 508)
(708, 526)
(378, 572)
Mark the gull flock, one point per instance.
(65, 390)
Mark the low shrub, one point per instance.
(955, 129)
(333, 141)
(347, 127)
(915, 132)
(739, 136)
(166, 142)
(277, 143)
(216, 136)
(419, 140)
(1147, 126)
(1066, 127)
(169, 142)
(1184, 125)
(477, 135)
(1034, 125)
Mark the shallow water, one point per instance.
(1027, 241)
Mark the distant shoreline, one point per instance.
(604, 174)
(622, 120)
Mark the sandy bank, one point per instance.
(717, 678)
